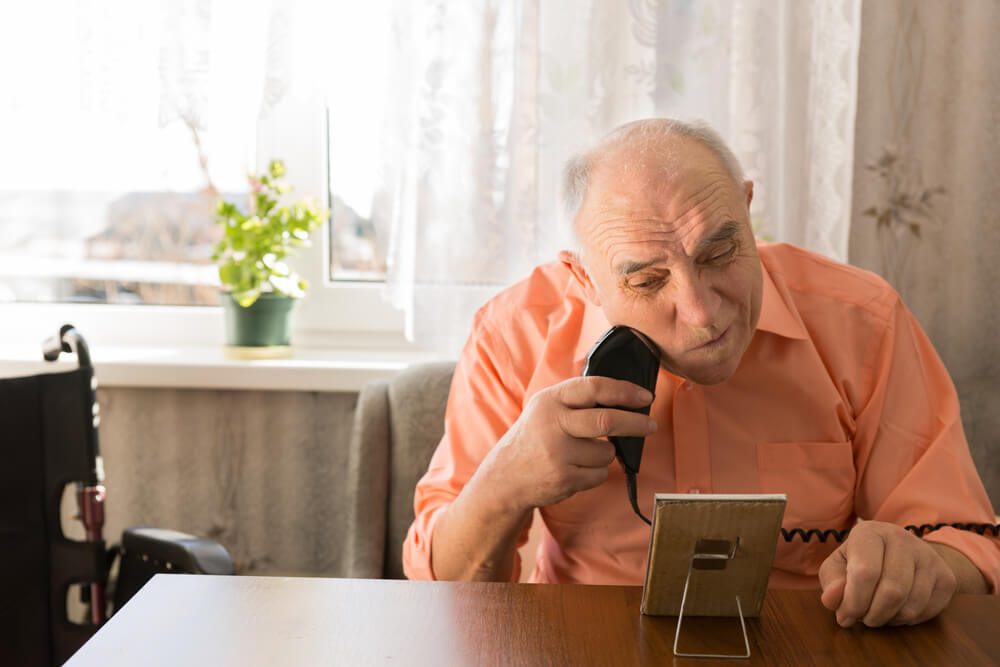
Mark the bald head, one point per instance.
(632, 150)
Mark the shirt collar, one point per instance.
(777, 315)
(593, 326)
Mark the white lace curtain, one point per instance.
(491, 96)
(117, 86)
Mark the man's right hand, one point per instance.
(552, 451)
(555, 448)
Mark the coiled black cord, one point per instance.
(837, 535)
(841, 535)
(822, 535)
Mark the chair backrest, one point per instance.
(44, 425)
(397, 426)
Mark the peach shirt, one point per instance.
(840, 402)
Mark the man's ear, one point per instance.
(748, 188)
(573, 263)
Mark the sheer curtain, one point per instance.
(489, 97)
(115, 86)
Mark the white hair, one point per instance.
(641, 136)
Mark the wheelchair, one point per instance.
(48, 440)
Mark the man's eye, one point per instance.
(722, 256)
(648, 283)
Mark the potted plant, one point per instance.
(260, 288)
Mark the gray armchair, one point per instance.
(397, 426)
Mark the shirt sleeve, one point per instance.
(912, 458)
(484, 401)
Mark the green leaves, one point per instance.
(254, 244)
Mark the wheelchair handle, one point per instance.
(90, 494)
(71, 340)
(68, 340)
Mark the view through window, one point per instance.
(358, 69)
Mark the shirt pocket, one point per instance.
(817, 477)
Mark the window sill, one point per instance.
(207, 367)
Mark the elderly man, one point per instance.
(781, 371)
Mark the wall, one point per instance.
(259, 471)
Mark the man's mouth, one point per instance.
(715, 342)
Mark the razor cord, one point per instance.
(841, 535)
(837, 535)
(630, 484)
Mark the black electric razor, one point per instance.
(623, 353)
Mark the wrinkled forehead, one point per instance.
(654, 167)
(664, 185)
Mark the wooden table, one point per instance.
(205, 620)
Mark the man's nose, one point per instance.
(697, 302)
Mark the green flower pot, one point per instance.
(265, 323)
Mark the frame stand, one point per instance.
(709, 550)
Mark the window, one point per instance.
(358, 74)
(133, 117)
(358, 229)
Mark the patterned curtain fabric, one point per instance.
(491, 97)
(926, 188)
(121, 84)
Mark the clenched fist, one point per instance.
(882, 574)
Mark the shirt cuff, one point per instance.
(982, 551)
(417, 547)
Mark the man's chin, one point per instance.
(708, 374)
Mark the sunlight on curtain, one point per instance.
(489, 97)
(100, 79)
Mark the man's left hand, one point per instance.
(883, 573)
